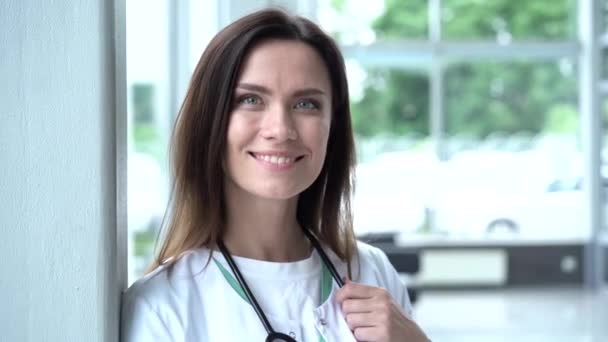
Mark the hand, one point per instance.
(373, 316)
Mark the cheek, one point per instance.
(234, 139)
(319, 137)
(239, 131)
(324, 131)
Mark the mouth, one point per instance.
(280, 160)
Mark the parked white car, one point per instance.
(543, 215)
(521, 198)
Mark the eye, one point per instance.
(307, 104)
(249, 99)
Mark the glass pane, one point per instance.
(390, 117)
(506, 20)
(363, 22)
(515, 165)
(388, 101)
(511, 97)
(151, 113)
(148, 112)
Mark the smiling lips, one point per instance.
(277, 160)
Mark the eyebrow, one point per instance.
(264, 90)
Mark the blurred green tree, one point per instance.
(481, 96)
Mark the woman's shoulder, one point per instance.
(372, 257)
(155, 306)
(375, 269)
(169, 279)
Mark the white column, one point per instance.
(58, 196)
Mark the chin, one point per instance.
(277, 194)
(269, 190)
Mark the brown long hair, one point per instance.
(197, 212)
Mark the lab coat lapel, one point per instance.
(330, 320)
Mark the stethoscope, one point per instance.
(274, 336)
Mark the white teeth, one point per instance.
(275, 159)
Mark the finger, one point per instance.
(355, 290)
(358, 305)
(359, 320)
(369, 334)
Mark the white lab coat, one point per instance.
(194, 303)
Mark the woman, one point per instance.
(259, 235)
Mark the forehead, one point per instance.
(286, 64)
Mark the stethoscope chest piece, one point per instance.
(279, 337)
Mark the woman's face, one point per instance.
(280, 121)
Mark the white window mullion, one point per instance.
(179, 54)
(591, 137)
(437, 114)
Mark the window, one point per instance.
(465, 113)
(165, 39)
(507, 121)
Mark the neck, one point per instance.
(264, 229)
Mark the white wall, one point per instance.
(58, 260)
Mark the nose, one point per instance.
(278, 124)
